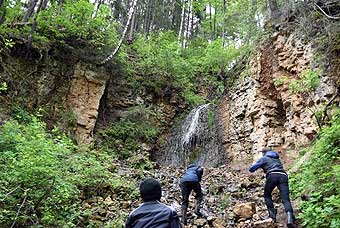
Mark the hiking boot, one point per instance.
(184, 215)
(197, 207)
(290, 220)
(272, 213)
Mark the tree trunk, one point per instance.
(273, 10)
(187, 26)
(97, 7)
(210, 21)
(2, 12)
(44, 4)
(30, 10)
(223, 24)
(182, 24)
(130, 37)
(131, 11)
(214, 33)
(34, 24)
(252, 21)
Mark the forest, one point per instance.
(161, 59)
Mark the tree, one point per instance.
(2, 12)
(131, 11)
(30, 10)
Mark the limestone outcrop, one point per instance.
(260, 112)
(86, 90)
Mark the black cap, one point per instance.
(150, 190)
(265, 149)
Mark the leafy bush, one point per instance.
(309, 81)
(280, 81)
(72, 22)
(42, 175)
(317, 184)
(76, 21)
(159, 63)
(124, 138)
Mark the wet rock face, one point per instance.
(87, 88)
(259, 113)
(196, 139)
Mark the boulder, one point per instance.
(244, 210)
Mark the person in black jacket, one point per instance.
(276, 176)
(152, 213)
(191, 181)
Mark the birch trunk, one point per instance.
(181, 26)
(223, 24)
(30, 10)
(131, 11)
(188, 25)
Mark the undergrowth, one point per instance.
(317, 184)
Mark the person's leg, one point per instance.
(198, 197)
(185, 190)
(284, 193)
(268, 189)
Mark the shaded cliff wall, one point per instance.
(75, 95)
(257, 113)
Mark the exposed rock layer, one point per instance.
(259, 112)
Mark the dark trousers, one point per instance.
(186, 188)
(281, 181)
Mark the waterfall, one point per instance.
(194, 140)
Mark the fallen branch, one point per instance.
(12, 191)
(22, 204)
(328, 16)
(11, 25)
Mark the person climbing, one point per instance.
(191, 181)
(276, 176)
(152, 213)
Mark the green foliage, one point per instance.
(123, 138)
(76, 21)
(71, 22)
(33, 166)
(308, 82)
(280, 81)
(317, 183)
(211, 117)
(159, 63)
(3, 87)
(42, 175)
(225, 201)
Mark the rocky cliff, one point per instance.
(261, 110)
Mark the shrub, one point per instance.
(124, 138)
(42, 175)
(308, 82)
(317, 184)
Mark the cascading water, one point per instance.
(194, 140)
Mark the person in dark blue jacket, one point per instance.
(276, 176)
(191, 181)
(152, 213)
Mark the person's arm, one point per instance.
(174, 220)
(199, 173)
(257, 165)
(128, 223)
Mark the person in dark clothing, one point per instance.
(191, 181)
(276, 176)
(152, 213)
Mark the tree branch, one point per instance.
(7, 194)
(328, 16)
(22, 204)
